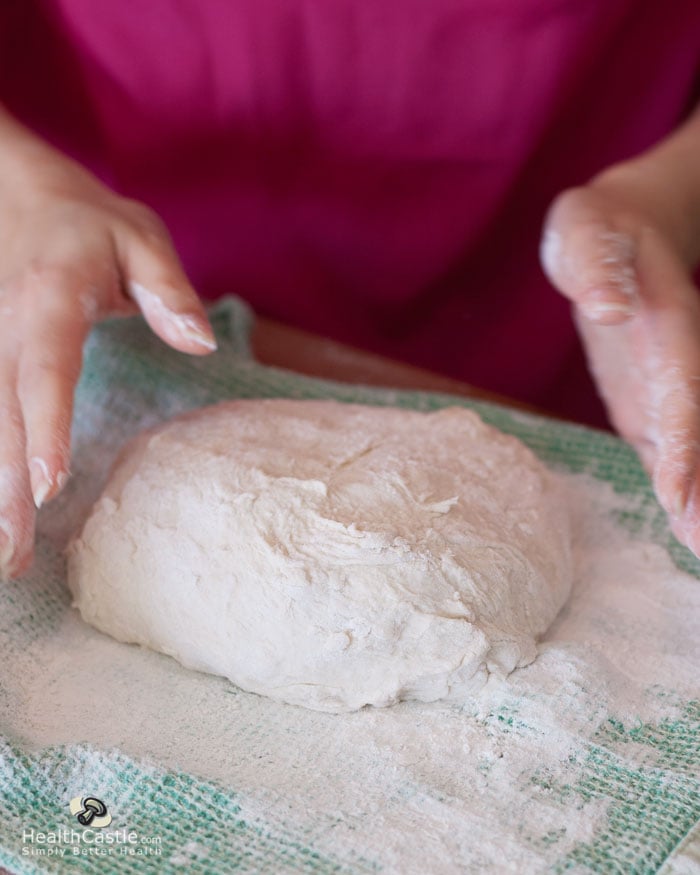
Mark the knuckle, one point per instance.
(11, 416)
(49, 284)
(572, 195)
(39, 276)
(567, 201)
(49, 366)
(51, 288)
(146, 220)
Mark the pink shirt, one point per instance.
(376, 171)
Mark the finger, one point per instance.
(17, 515)
(647, 370)
(672, 366)
(687, 527)
(678, 441)
(616, 358)
(155, 279)
(55, 327)
(589, 261)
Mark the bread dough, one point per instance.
(325, 554)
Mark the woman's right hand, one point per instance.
(71, 253)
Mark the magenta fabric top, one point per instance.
(376, 171)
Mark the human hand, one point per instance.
(73, 252)
(624, 256)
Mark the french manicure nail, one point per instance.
(40, 480)
(679, 503)
(7, 552)
(189, 328)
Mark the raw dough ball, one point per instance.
(329, 555)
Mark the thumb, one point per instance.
(588, 260)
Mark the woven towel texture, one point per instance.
(633, 786)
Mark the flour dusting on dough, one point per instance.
(329, 555)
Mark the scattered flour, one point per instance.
(483, 785)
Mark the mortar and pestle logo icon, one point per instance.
(90, 811)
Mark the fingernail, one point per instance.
(40, 480)
(7, 552)
(616, 300)
(190, 328)
(551, 253)
(607, 305)
(604, 309)
(679, 503)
